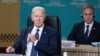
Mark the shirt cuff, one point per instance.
(35, 42)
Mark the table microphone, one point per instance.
(96, 44)
(98, 48)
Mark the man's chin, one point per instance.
(39, 25)
(89, 22)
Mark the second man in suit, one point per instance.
(87, 31)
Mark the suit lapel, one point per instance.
(92, 31)
(82, 30)
(44, 33)
(30, 29)
(25, 37)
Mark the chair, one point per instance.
(52, 21)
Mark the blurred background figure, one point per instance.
(87, 31)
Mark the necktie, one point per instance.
(34, 51)
(86, 33)
(37, 34)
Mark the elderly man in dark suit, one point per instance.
(36, 40)
(87, 31)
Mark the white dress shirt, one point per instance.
(90, 27)
(30, 43)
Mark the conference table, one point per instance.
(3, 54)
(82, 50)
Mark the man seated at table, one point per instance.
(87, 31)
(38, 39)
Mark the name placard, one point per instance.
(67, 44)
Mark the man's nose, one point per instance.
(38, 18)
(88, 16)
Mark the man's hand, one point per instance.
(10, 49)
(32, 38)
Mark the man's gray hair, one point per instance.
(88, 6)
(38, 7)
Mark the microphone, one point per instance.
(98, 48)
(96, 44)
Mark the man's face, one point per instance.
(88, 15)
(38, 17)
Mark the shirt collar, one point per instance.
(91, 24)
(41, 28)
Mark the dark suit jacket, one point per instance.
(46, 46)
(77, 33)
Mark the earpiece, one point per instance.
(82, 16)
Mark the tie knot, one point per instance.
(87, 26)
(37, 30)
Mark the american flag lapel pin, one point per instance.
(94, 28)
(44, 32)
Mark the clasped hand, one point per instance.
(31, 37)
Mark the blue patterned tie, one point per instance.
(86, 33)
(34, 51)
